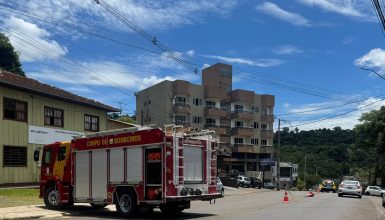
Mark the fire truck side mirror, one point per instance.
(36, 155)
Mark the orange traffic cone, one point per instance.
(286, 197)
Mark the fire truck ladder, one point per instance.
(178, 159)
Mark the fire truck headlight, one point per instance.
(198, 192)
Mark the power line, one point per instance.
(335, 116)
(136, 28)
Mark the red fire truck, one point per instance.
(131, 168)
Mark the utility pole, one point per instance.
(304, 174)
(278, 152)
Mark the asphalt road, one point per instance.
(265, 205)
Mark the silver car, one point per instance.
(350, 187)
(374, 191)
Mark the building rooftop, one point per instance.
(17, 82)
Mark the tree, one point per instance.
(123, 118)
(371, 142)
(9, 59)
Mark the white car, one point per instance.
(350, 187)
(220, 188)
(374, 191)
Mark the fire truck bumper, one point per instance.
(193, 197)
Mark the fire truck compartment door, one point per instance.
(82, 175)
(193, 163)
(134, 165)
(99, 175)
(117, 165)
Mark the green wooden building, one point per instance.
(34, 114)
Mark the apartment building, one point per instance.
(33, 114)
(242, 119)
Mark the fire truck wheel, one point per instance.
(126, 204)
(98, 206)
(51, 198)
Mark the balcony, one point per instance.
(182, 107)
(267, 150)
(215, 92)
(244, 148)
(242, 131)
(184, 123)
(267, 134)
(243, 96)
(267, 118)
(219, 130)
(216, 112)
(241, 114)
(225, 139)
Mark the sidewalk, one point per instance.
(28, 212)
(39, 211)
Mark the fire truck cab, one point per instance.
(131, 168)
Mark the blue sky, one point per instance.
(307, 53)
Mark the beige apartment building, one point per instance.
(242, 119)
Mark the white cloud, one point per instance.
(149, 14)
(287, 50)
(291, 17)
(258, 62)
(351, 8)
(373, 59)
(33, 43)
(105, 74)
(190, 53)
(346, 121)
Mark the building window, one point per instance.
(251, 166)
(263, 142)
(238, 124)
(238, 108)
(263, 126)
(91, 123)
(15, 110)
(197, 101)
(53, 117)
(210, 104)
(254, 109)
(197, 119)
(180, 100)
(14, 156)
(255, 125)
(210, 121)
(238, 141)
(180, 119)
(254, 141)
(265, 111)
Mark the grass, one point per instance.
(10, 197)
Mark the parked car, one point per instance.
(220, 188)
(374, 191)
(269, 186)
(350, 187)
(255, 183)
(243, 181)
(383, 200)
(328, 185)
